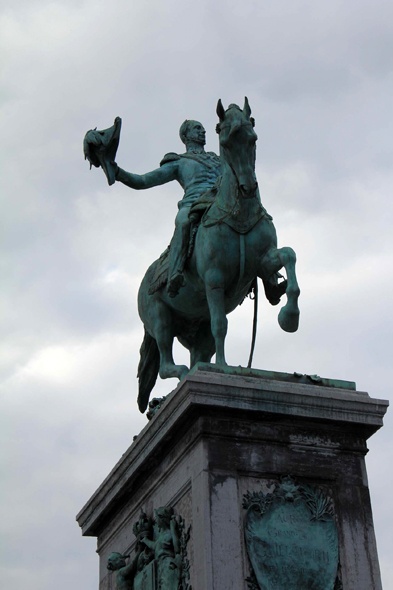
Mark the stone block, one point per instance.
(222, 434)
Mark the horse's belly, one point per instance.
(189, 303)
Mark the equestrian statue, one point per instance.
(224, 240)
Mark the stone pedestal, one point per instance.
(220, 435)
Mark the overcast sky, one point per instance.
(319, 78)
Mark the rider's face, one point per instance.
(197, 133)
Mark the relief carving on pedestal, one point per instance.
(291, 538)
(160, 561)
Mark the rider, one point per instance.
(196, 171)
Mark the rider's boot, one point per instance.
(175, 283)
(273, 289)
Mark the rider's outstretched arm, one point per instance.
(159, 176)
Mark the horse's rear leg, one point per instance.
(164, 336)
(203, 346)
(273, 261)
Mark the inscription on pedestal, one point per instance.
(291, 538)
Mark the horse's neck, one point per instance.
(229, 198)
(228, 194)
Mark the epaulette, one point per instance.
(171, 157)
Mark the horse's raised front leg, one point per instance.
(215, 294)
(272, 262)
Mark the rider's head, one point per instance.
(192, 131)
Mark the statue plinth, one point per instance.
(228, 442)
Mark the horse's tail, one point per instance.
(149, 364)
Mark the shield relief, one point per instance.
(291, 538)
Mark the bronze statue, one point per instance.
(224, 240)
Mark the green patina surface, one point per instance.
(291, 538)
(276, 375)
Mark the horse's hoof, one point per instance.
(288, 320)
(221, 364)
(177, 371)
(184, 371)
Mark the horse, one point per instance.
(235, 243)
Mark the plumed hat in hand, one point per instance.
(100, 148)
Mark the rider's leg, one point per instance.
(272, 262)
(178, 252)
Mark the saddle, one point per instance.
(161, 271)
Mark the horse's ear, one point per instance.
(220, 110)
(246, 108)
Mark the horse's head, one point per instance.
(237, 145)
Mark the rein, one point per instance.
(254, 322)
